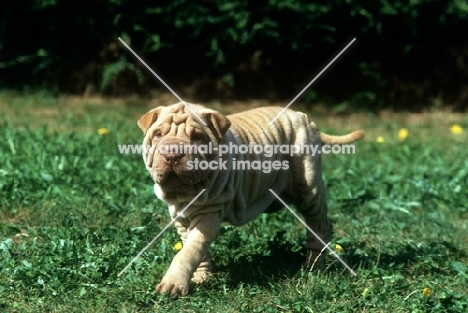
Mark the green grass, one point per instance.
(73, 213)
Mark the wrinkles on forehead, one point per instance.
(176, 118)
(176, 123)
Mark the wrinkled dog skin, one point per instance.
(234, 196)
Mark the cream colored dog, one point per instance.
(233, 193)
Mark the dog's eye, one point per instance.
(197, 137)
(157, 134)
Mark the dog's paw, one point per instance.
(174, 285)
(201, 277)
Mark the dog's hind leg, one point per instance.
(314, 210)
(203, 271)
(310, 199)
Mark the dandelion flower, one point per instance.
(103, 131)
(456, 129)
(178, 246)
(426, 292)
(380, 139)
(403, 133)
(338, 248)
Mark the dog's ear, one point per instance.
(217, 122)
(148, 119)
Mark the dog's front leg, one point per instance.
(202, 232)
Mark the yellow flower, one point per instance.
(403, 133)
(426, 292)
(103, 131)
(380, 139)
(365, 292)
(338, 248)
(178, 246)
(456, 129)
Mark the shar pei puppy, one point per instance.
(236, 179)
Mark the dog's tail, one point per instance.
(340, 140)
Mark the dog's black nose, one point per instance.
(172, 158)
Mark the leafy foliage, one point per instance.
(253, 49)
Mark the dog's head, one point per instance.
(175, 138)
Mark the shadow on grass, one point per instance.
(281, 262)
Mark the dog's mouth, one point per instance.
(178, 178)
(174, 169)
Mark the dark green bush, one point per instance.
(272, 48)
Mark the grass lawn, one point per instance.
(74, 213)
